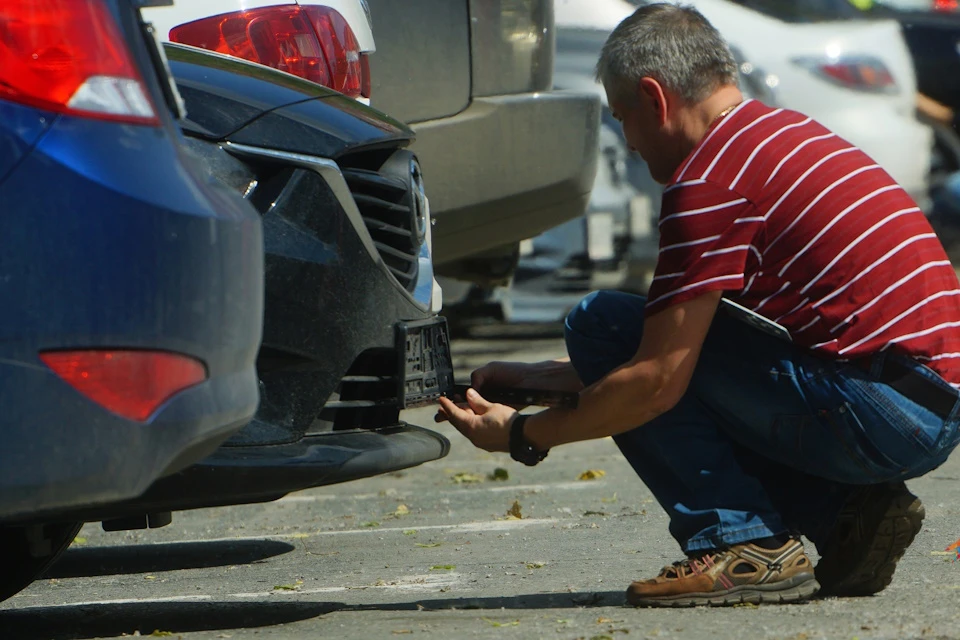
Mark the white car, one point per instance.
(327, 41)
(853, 76)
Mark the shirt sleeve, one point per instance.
(708, 242)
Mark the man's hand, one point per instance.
(486, 425)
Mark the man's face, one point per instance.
(638, 116)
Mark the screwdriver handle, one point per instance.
(519, 395)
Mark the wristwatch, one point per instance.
(520, 449)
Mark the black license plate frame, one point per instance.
(426, 362)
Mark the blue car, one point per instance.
(131, 282)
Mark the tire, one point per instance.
(20, 566)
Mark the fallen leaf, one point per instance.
(612, 498)
(79, 540)
(499, 474)
(536, 565)
(601, 637)
(562, 621)
(513, 513)
(592, 474)
(402, 510)
(299, 536)
(420, 607)
(494, 623)
(409, 532)
(372, 523)
(429, 546)
(149, 577)
(466, 478)
(443, 567)
(288, 587)
(161, 634)
(603, 620)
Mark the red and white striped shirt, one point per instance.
(806, 230)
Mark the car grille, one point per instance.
(367, 396)
(393, 208)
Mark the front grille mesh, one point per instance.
(367, 396)
(385, 205)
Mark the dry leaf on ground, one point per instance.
(499, 474)
(288, 587)
(592, 474)
(466, 478)
(514, 511)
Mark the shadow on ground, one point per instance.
(119, 619)
(79, 562)
(528, 601)
(109, 620)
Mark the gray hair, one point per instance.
(673, 44)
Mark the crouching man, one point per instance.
(749, 440)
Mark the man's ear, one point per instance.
(653, 91)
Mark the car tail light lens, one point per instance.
(946, 5)
(68, 56)
(860, 73)
(312, 42)
(132, 384)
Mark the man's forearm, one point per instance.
(628, 397)
(554, 375)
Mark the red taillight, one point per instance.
(861, 73)
(68, 56)
(129, 383)
(312, 42)
(946, 5)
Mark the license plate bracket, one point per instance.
(426, 363)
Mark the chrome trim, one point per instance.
(330, 172)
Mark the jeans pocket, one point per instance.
(912, 429)
(870, 463)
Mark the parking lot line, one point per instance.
(520, 488)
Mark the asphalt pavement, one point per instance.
(470, 546)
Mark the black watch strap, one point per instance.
(520, 449)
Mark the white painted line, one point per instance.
(422, 582)
(536, 488)
(468, 527)
(539, 488)
(195, 598)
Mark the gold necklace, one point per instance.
(725, 112)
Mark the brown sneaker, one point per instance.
(874, 529)
(742, 573)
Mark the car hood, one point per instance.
(229, 99)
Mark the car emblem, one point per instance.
(418, 202)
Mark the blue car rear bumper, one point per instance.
(111, 240)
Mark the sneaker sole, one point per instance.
(873, 572)
(795, 589)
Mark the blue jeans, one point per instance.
(768, 438)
